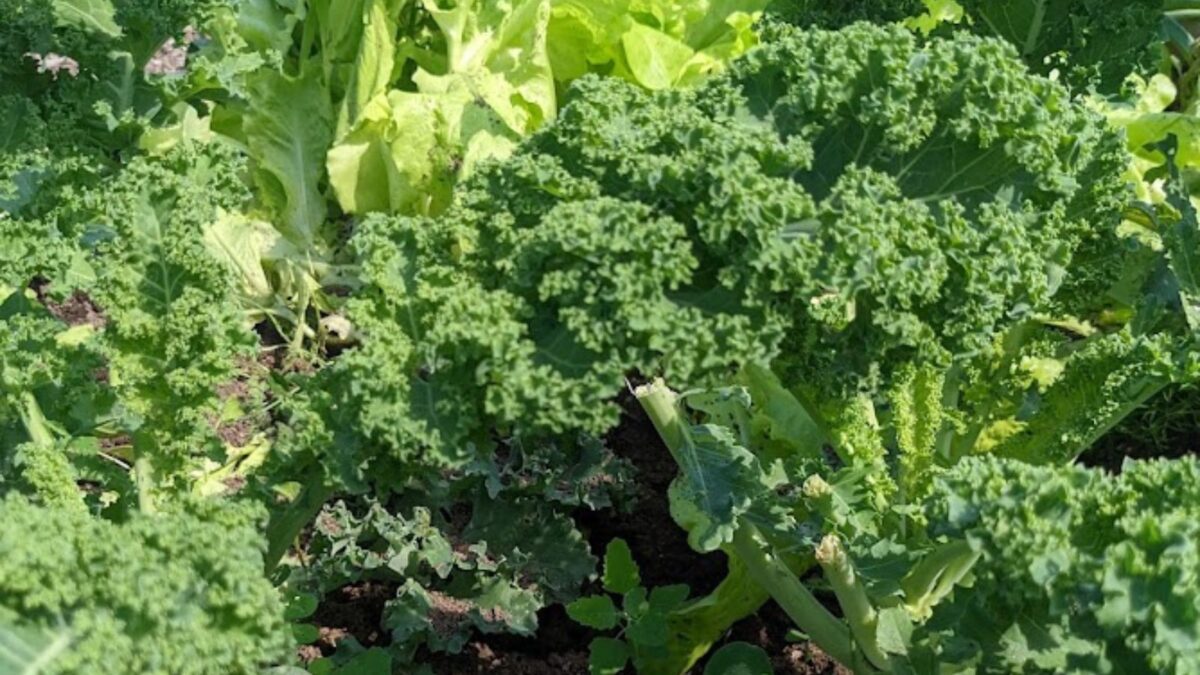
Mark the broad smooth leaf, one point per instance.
(374, 661)
(739, 658)
(289, 129)
(608, 656)
(596, 611)
(620, 571)
(97, 16)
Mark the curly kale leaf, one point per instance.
(172, 337)
(175, 592)
(1094, 43)
(84, 63)
(844, 201)
(1107, 565)
(839, 13)
(125, 257)
(1089, 43)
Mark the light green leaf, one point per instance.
(266, 24)
(288, 130)
(408, 149)
(596, 611)
(403, 151)
(240, 243)
(739, 658)
(620, 571)
(191, 127)
(375, 60)
(786, 418)
(608, 656)
(656, 43)
(655, 59)
(1183, 239)
(25, 651)
(936, 13)
(97, 16)
(894, 630)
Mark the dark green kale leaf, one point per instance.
(1095, 43)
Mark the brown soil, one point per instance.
(239, 432)
(76, 310)
(659, 545)
(479, 657)
(768, 629)
(354, 610)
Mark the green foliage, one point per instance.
(621, 574)
(110, 403)
(898, 385)
(839, 13)
(657, 44)
(1090, 42)
(739, 658)
(210, 608)
(133, 268)
(642, 617)
(757, 243)
(488, 569)
(1110, 566)
(104, 99)
(918, 237)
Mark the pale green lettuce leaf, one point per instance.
(191, 127)
(268, 24)
(97, 16)
(654, 58)
(655, 43)
(403, 151)
(240, 243)
(289, 128)
(376, 58)
(387, 160)
(1146, 121)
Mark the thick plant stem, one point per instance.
(860, 613)
(767, 571)
(810, 616)
(143, 471)
(285, 525)
(661, 405)
(144, 477)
